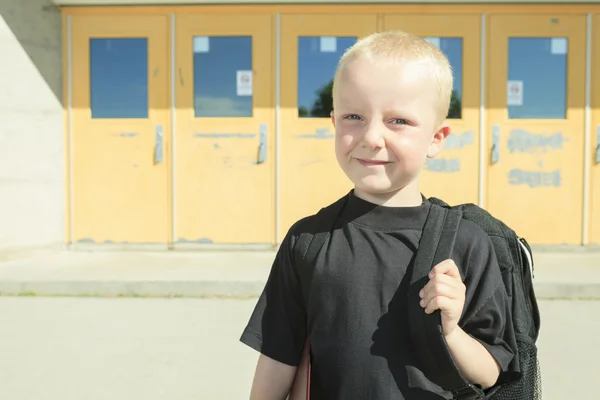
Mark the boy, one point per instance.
(391, 96)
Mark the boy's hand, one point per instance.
(444, 291)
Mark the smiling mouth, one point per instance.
(371, 163)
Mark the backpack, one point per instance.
(439, 233)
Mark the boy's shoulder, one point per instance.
(320, 221)
(313, 228)
(476, 227)
(485, 247)
(471, 234)
(473, 249)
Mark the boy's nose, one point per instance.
(373, 137)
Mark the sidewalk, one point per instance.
(239, 274)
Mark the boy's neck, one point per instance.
(406, 197)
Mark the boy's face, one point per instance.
(387, 123)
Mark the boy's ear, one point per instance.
(439, 138)
(332, 117)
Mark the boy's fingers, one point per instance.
(440, 285)
(440, 279)
(446, 292)
(439, 302)
(447, 267)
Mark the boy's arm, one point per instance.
(277, 327)
(446, 291)
(272, 379)
(474, 361)
(299, 387)
(475, 310)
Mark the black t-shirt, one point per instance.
(355, 310)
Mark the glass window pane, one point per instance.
(222, 76)
(537, 78)
(119, 77)
(317, 60)
(453, 49)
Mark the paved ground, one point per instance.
(226, 273)
(122, 349)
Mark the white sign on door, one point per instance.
(244, 83)
(328, 44)
(201, 44)
(514, 95)
(559, 46)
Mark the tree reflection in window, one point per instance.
(323, 104)
(318, 57)
(455, 109)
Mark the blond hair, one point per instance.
(397, 48)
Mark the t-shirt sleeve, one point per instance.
(487, 314)
(277, 326)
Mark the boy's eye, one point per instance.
(352, 116)
(400, 121)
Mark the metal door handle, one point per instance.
(158, 144)
(262, 144)
(597, 158)
(495, 157)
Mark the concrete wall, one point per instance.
(32, 145)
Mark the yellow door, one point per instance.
(454, 174)
(536, 125)
(594, 216)
(225, 132)
(120, 129)
(311, 46)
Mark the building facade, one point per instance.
(192, 125)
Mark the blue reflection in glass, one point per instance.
(119, 77)
(453, 49)
(317, 60)
(541, 65)
(216, 62)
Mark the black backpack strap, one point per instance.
(436, 361)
